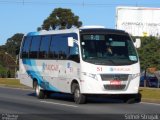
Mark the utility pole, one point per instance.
(145, 77)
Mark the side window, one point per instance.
(44, 47)
(26, 46)
(34, 49)
(53, 53)
(59, 47)
(63, 50)
(74, 53)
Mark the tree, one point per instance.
(149, 52)
(61, 18)
(2, 71)
(8, 74)
(13, 44)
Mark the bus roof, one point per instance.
(45, 32)
(82, 30)
(103, 31)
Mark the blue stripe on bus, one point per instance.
(34, 73)
(33, 33)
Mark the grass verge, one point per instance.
(150, 94)
(11, 82)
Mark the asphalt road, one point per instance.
(23, 105)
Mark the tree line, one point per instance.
(60, 18)
(149, 52)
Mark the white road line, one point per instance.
(58, 104)
(150, 103)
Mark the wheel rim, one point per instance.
(77, 94)
(37, 90)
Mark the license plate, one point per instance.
(115, 82)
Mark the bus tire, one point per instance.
(135, 98)
(78, 97)
(39, 93)
(138, 98)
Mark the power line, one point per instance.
(83, 4)
(36, 3)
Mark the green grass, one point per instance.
(11, 83)
(150, 94)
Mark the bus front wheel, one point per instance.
(133, 98)
(78, 97)
(39, 93)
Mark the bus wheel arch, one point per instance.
(35, 82)
(78, 97)
(72, 85)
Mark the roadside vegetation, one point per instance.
(149, 53)
(9, 82)
(150, 94)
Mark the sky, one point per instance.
(23, 16)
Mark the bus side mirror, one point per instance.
(137, 43)
(70, 41)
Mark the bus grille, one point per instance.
(108, 77)
(114, 87)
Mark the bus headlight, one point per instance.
(93, 76)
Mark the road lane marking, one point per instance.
(150, 103)
(68, 105)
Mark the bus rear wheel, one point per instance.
(39, 93)
(78, 97)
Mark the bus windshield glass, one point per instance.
(108, 49)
